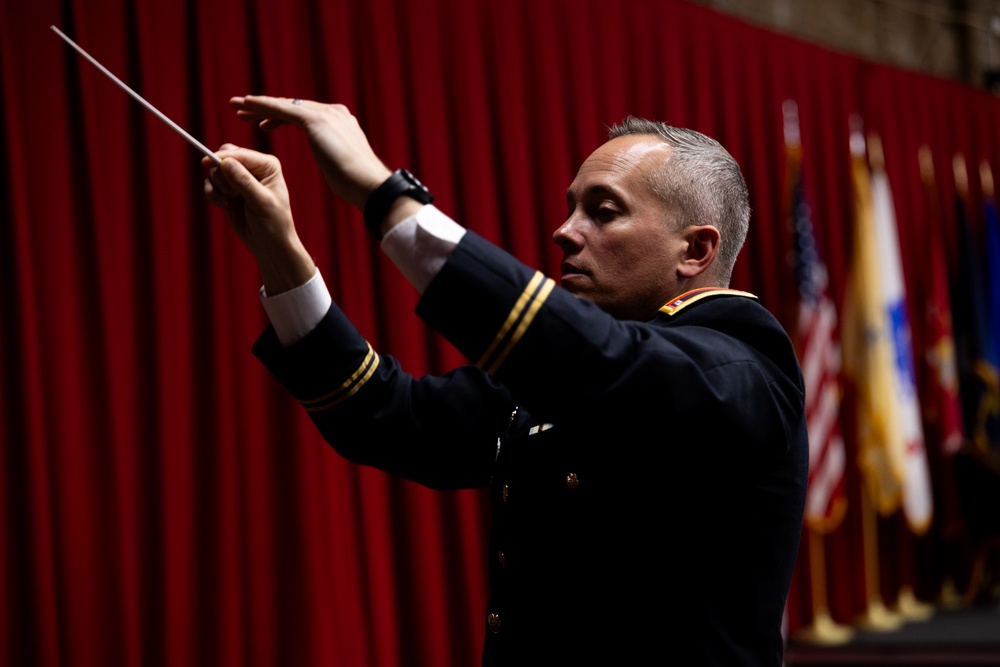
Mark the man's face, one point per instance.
(619, 250)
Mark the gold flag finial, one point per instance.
(875, 156)
(961, 175)
(986, 178)
(926, 163)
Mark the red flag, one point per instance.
(942, 401)
(942, 406)
(818, 348)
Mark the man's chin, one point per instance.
(574, 289)
(578, 289)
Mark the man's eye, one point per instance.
(605, 214)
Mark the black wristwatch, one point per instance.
(400, 183)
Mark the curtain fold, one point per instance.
(163, 501)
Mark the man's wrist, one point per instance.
(286, 268)
(401, 185)
(297, 312)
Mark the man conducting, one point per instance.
(640, 425)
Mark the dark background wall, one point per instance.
(954, 39)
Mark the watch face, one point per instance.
(412, 179)
(423, 194)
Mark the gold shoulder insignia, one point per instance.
(689, 297)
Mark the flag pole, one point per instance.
(907, 605)
(910, 608)
(876, 616)
(823, 630)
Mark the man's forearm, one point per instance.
(418, 245)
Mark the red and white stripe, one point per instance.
(820, 360)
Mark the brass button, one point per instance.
(502, 559)
(505, 491)
(572, 481)
(493, 620)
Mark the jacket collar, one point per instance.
(689, 297)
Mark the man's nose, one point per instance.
(567, 235)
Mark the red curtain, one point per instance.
(164, 502)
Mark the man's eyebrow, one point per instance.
(598, 190)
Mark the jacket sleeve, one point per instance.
(439, 431)
(567, 361)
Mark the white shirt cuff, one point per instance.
(297, 312)
(419, 245)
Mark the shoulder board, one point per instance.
(671, 307)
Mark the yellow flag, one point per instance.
(868, 350)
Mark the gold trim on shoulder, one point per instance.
(348, 388)
(689, 297)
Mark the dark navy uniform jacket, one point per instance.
(648, 479)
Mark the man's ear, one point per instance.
(702, 249)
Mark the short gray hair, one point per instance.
(702, 182)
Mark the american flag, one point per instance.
(819, 353)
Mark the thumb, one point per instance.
(241, 180)
(256, 177)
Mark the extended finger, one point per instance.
(271, 101)
(257, 107)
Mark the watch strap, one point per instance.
(400, 183)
